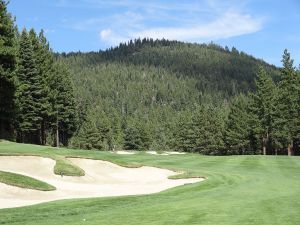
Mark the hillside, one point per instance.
(214, 67)
(147, 85)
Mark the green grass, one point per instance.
(239, 190)
(67, 167)
(24, 181)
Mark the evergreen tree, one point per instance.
(132, 139)
(44, 64)
(64, 116)
(7, 75)
(240, 135)
(287, 120)
(263, 107)
(209, 130)
(29, 93)
(184, 133)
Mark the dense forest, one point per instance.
(36, 92)
(146, 95)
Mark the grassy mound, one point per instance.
(22, 181)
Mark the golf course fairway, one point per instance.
(237, 190)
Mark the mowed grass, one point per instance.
(238, 190)
(24, 181)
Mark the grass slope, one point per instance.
(24, 181)
(239, 190)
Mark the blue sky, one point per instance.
(262, 28)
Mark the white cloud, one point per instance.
(108, 36)
(193, 20)
(228, 25)
(104, 34)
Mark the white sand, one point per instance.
(176, 153)
(101, 179)
(165, 153)
(155, 153)
(125, 152)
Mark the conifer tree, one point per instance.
(44, 64)
(64, 116)
(263, 107)
(208, 129)
(240, 135)
(7, 75)
(29, 93)
(184, 133)
(132, 139)
(287, 120)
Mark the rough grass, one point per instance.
(24, 181)
(238, 190)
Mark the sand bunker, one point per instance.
(125, 152)
(101, 179)
(165, 153)
(176, 153)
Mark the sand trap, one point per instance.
(155, 153)
(165, 153)
(101, 179)
(125, 152)
(176, 153)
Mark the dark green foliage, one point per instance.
(240, 135)
(64, 115)
(29, 93)
(209, 129)
(184, 135)
(47, 111)
(287, 120)
(207, 63)
(264, 107)
(136, 136)
(200, 130)
(7, 75)
(95, 133)
(177, 92)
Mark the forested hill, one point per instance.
(214, 67)
(143, 94)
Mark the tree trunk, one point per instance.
(265, 143)
(264, 146)
(57, 137)
(291, 149)
(43, 136)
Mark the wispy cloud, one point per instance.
(194, 20)
(228, 25)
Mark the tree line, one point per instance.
(36, 91)
(145, 107)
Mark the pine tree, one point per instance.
(263, 107)
(7, 75)
(44, 64)
(240, 135)
(64, 116)
(184, 133)
(132, 139)
(29, 93)
(287, 121)
(208, 129)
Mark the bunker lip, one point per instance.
(102, 179)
